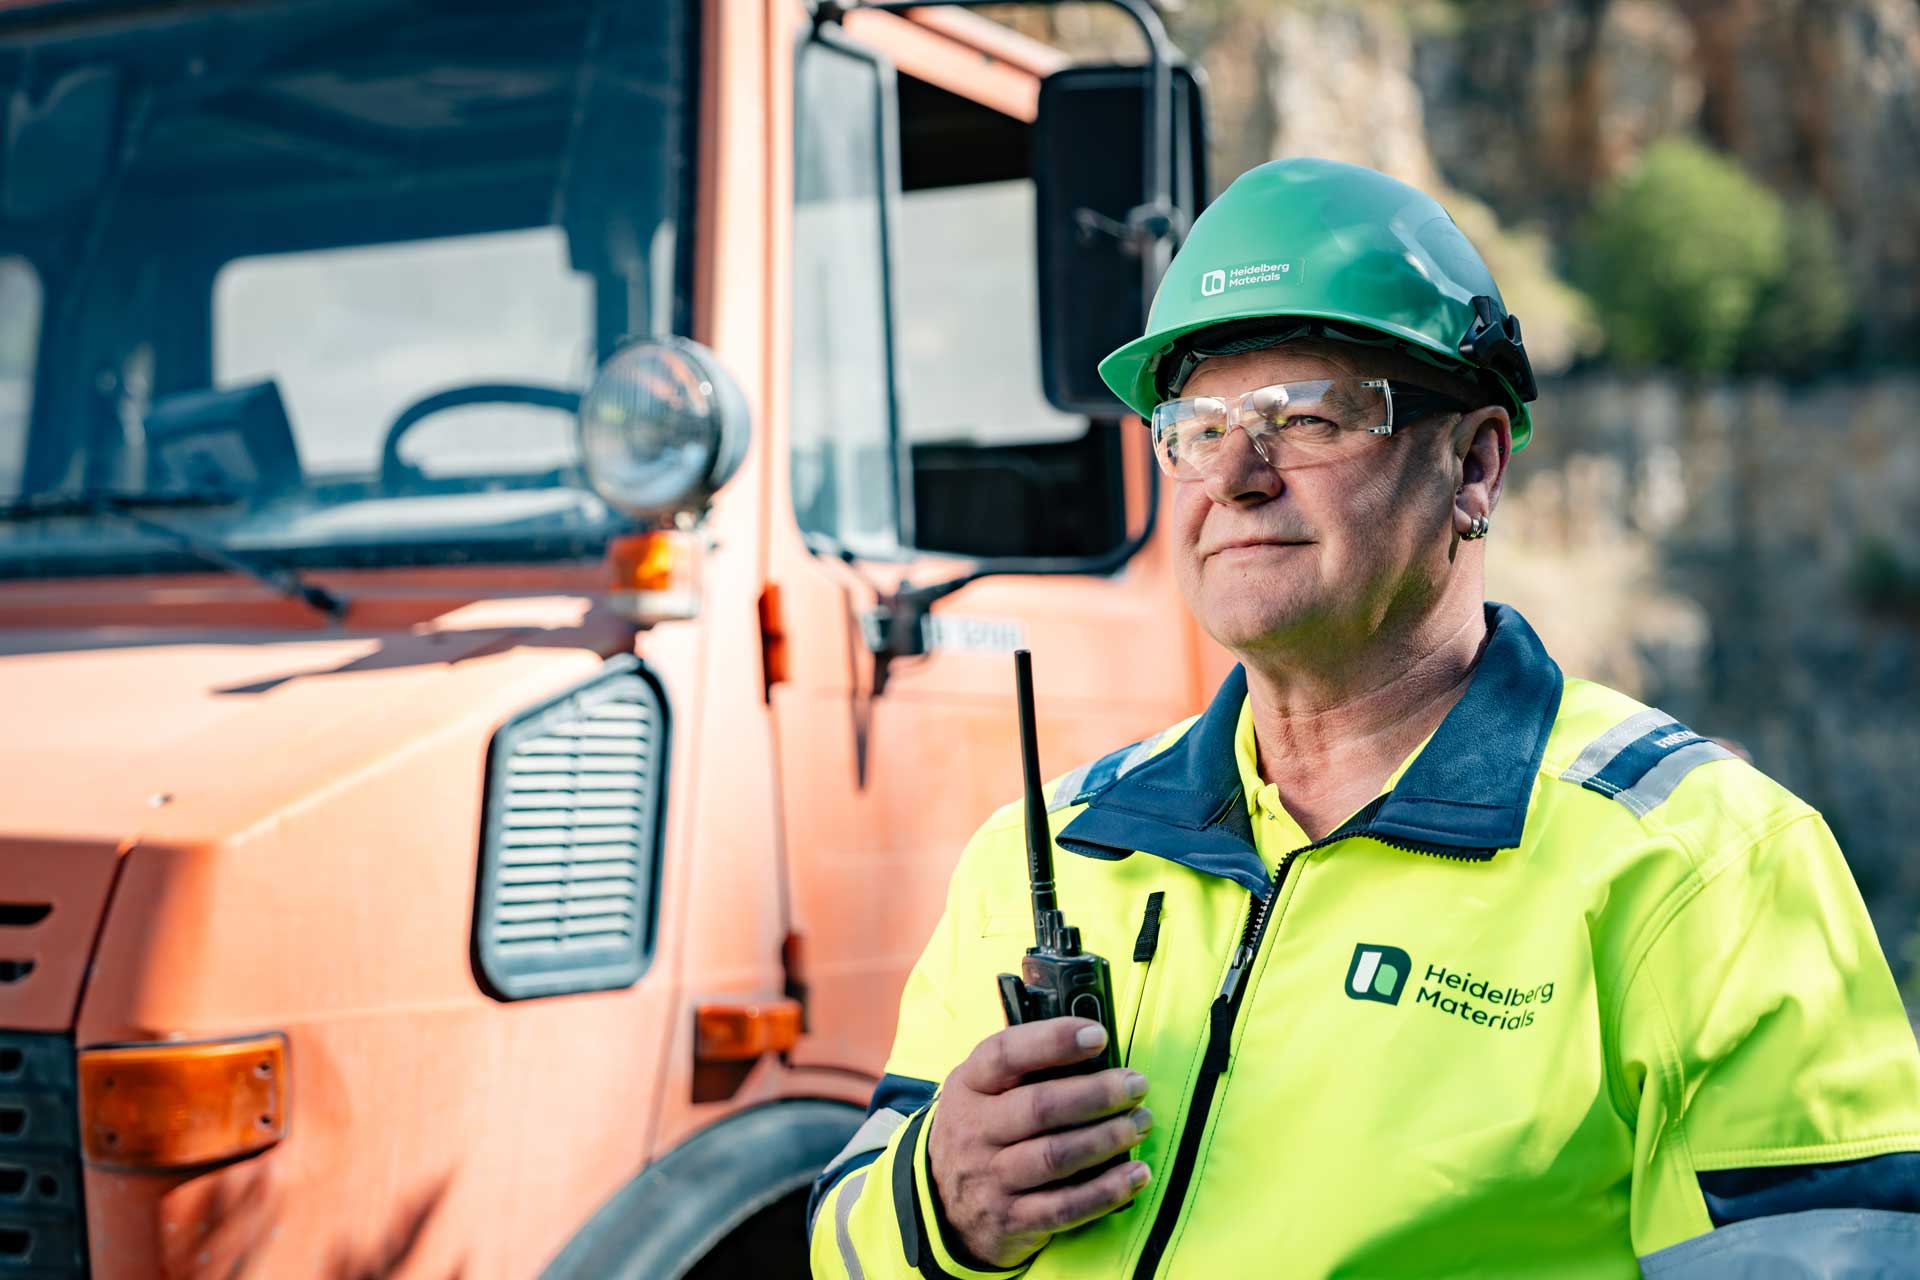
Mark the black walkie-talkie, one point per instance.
(1056, 979)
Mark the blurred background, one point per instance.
(1707, 216)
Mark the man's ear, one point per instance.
(1482, 445)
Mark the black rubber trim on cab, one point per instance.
(678, 1208)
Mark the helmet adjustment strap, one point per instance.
(1493, 343)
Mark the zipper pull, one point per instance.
(1219, 1037)
(1238, 970)
(1220, 1015)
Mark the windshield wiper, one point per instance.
(111, 501)
(124, 506)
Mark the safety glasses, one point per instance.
(1289, 424)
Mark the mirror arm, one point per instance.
(896, 626)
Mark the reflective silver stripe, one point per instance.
(1069, 789)
(1072, 784)
(1142, 750)
(1601, 751)
(1846, 1244)
(873, 1134)
(1648, 794)
(848, 1194)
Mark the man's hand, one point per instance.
(998, 1144)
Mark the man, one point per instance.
(1426, 961)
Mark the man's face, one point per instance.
(1314, 556)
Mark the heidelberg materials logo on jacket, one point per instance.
(1380, 973)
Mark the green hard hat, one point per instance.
(1309, 247)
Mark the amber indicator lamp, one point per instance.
(173, 1106)
(655, 577)
(743, 1032)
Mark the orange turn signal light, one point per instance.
(743, 1032)
(172, 1106)
(773, 638)
(655, 576)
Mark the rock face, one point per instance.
(1535, 108)
(1338, 81)
(1369, 110)
(1827, 95)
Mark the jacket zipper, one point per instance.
(1225, 1011)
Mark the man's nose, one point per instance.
(1240, 476)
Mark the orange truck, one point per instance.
(489, 707)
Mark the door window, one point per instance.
(919, 422)
(847, 469)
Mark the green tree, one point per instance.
(1808, 310)
(1680, 257)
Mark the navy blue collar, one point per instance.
(1464, 796)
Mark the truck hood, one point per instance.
(116, 739)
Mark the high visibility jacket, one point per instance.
(1580, 994)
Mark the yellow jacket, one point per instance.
(1580, 994)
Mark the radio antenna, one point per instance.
(1046, 906)
(1057, 977)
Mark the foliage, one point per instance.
(1692, 264)
(1809, 309)
(1882, 582)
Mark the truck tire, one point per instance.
(685, 1205)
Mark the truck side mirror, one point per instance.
(1099, 236)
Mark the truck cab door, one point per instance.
(914, 441)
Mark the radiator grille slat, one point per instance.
(571, 844)
(41, 1219)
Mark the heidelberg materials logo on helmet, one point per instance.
(1378, 972)
(1265, 271)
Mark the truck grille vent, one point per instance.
(570, 849)
(42, 1229)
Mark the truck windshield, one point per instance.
(325, 280)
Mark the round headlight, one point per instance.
(662, 427)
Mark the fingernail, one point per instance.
(1136, 1085)
(1091, 1037)
(1138, 1175)
(1142, 1119)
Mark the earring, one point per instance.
(1476, 529)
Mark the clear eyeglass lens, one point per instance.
(1290, 423)
(1267, 405)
